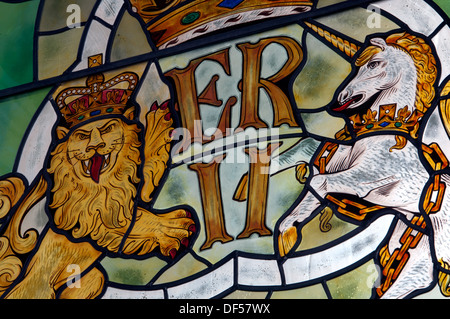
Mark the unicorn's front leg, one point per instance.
(322, 184)
(288, 236)
(307, 206)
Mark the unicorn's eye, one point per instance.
(372, 65)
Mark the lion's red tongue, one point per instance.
(97, 161)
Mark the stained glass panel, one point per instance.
(226, 149)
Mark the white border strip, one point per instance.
(256, 272)
(338, 257)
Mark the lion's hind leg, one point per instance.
(88, 286)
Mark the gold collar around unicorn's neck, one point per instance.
(388, 119)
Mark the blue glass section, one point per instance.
(230, 4)
(97, 112)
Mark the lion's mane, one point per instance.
(98, 210)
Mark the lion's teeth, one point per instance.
(86, 162)
(106, 156)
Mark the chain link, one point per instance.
(394, 263)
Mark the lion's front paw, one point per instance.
(170, 232)
(174, 232)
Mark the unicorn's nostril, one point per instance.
(345, 95)
(342, 97)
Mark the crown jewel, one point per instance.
(98, 97)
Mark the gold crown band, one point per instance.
(388, 119)
(190, 19)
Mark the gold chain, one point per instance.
(393, 263)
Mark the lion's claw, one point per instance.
(173, 253)
(185, 242)
(170, 232)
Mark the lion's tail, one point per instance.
(14, 204)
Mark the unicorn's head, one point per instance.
(400, 70)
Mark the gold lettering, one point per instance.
(252, 82)
(258, 182)
(188, 98)
(208, 175)
(254, 188)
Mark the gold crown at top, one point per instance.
(98, 97)
(189, 19)
(149, 9)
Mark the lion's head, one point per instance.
(95, 172)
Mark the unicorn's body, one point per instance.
(385, 169)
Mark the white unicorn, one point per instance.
(384, 164)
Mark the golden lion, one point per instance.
(93, 186)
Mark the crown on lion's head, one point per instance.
(97, 98)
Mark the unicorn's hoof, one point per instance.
(287, 240)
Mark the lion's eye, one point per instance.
(108, 129)
(82, 136)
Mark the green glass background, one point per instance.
(16, 38)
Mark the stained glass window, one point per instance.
(237, 149)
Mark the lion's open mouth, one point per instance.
(95, 165)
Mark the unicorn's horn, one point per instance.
(339, 43)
